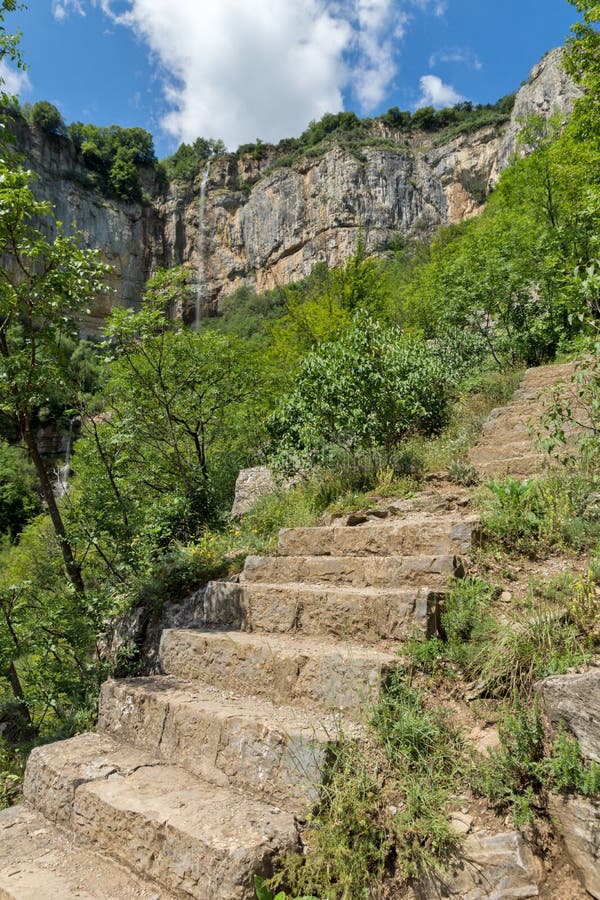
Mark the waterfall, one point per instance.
(201, 233)
(63, 472)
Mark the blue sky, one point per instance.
(240, 70)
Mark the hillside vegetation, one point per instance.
(359, 381)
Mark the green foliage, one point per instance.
(113, 156)
(9, 49)
(19, 499)
(11, 776)
(570, 428)
(383, 805)
(583, 53)
(535, 516)
(49, 662)
(45, 282)
(512, 777)
(516, 775)
(565, 770)
(123, 176)
(47, 117)
(361, 394)
(504, 656)
(263, 893)
(188, 160)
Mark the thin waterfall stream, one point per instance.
(63, 472)
(201, 234)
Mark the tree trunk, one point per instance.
(71, 565)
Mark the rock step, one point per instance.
(39, 862)
(193, 838)
(315, 673)
(360, 571)
(369, 615)
(414, 535)
(520, 467)
(277, 754)
(507, 449)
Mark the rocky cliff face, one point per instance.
(287, 219)
(130, 236)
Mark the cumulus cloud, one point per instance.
(435, 93)
(460, 55)
(238, 70)
(380, 24)
(13, 81)
(62, 8)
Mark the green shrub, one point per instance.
(512, 776)
(566, 771)
(384, 804)
(360, 395)
(47, 117)
(19, 500)
(12, 767)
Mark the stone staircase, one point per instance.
(508, 444)
(199, 778)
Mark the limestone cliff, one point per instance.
(265, 225)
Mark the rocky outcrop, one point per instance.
(548, 91)
(265, 226)
(314, 211)
(497, 867)
(577, 820)
(574, 701)
(250, 486)
(129, 235)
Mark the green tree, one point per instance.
(183, 409)
(47, 117)
(360, 395)
(123, 176)
(583, 62)
(43, 283)
(19, 500)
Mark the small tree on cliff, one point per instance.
(43, 283)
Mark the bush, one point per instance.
(359, 396)
(47, 117)
(19, 500)
(383, 810)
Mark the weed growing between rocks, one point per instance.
(502, 656)
(557, 512)
(517, 776)
(383, 813)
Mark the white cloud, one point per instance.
(435, 93)
(237, 70)
(437, 7)
(62, 8)
(13, 81)
(459, 55)
(379, 24)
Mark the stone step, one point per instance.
(368, 615)
(412, 536)
(503, 452)
(275, 753)
(39, 862)
(360, 571)
(316, 673)
(193, 838)
(519, 467)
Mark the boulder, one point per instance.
(577, 819)
(251, 485)
(575, 700)
(491, 867)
